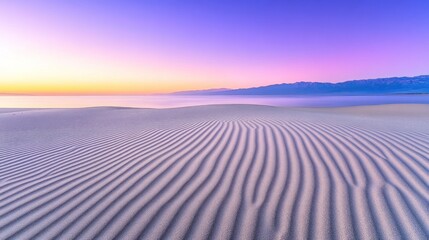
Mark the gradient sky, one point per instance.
(102, 47)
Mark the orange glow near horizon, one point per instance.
(29, 69)
(34, 68)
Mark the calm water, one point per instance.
(166, 101)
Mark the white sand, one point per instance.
(222, 172)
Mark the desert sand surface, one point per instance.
(215, 172)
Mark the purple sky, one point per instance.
(159, 46)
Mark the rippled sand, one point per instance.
(221, 172)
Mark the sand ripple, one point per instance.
(264, 174)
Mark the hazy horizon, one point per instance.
(187, 90)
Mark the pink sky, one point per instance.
(126, 47)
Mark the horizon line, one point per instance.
(4, 94)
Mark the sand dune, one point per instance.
(218, 172)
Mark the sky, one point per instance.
(158, 46)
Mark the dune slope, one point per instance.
(221, 172)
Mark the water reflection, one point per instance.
(169, 101)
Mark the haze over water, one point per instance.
(171, 101)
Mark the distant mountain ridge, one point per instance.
(198, 92)
(394, 85)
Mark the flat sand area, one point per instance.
(215, 172)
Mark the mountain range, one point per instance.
(394, 85)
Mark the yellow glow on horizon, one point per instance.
(29, 69)
(89, 88)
